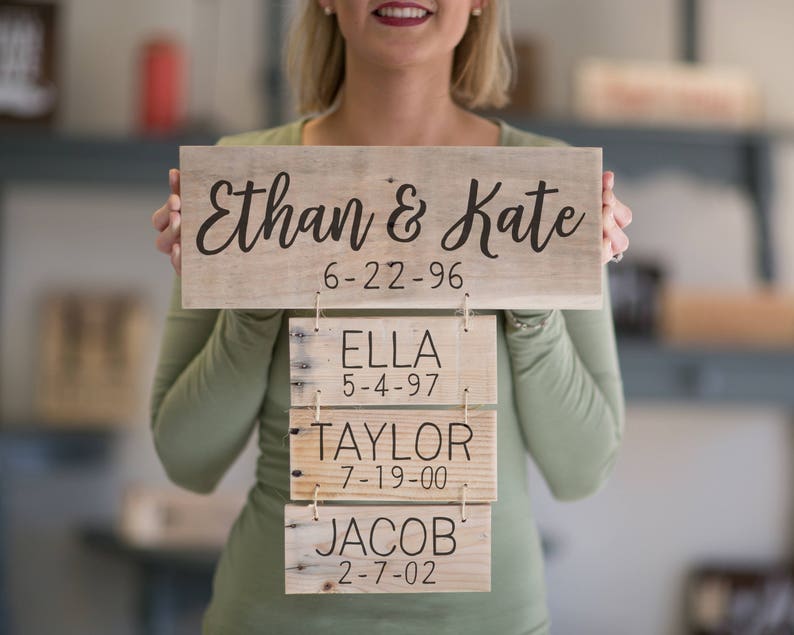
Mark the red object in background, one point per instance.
(162, 90)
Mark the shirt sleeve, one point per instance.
(209, 385)
(569, 395)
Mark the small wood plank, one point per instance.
(387, 549)
(417, 455)
(394, 360)
(390, 227)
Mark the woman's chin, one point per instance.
(401, 57)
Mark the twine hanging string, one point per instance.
(317, 406)
(466, 406)
(466, 313)
(317, 312)
(315, 515)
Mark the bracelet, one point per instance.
(524, 326)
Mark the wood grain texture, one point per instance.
(459, 559)
(374, 265)
(423, 455)
(395, 360)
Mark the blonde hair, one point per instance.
(482, 68)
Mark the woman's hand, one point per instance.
(168, 220)
(616, 217)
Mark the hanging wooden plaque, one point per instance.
(406, 455)
(387, 548)
(393, 360)
(390, 227)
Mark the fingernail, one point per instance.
(177, 221)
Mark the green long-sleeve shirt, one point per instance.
(223, 372)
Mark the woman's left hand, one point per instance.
(616, 217)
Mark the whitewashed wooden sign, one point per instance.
(418, 455)
(392, 360)
(387, 549)
(390, 227)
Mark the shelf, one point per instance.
(106, 539)
(39, 156)
(38, 446)
(636, 150)
(655, 371)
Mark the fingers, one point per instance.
(616, 216)
(614, 239)
(160, 218)
(612, 228)
(618, 240)
(176, 258)
(622, 214)
(174, 181)
(168, 222)
(164, 242)
(613, 243)
(171, 235)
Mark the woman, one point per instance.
(387, 73)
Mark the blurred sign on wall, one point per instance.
(758, 319)
(655, 93)
(90, 358)
(27, 62)
(170, 517)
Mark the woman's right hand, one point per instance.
(168, 220)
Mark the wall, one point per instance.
(755, 36)
(783, 235)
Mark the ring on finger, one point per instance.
(617, 257)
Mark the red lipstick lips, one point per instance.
(401, 14)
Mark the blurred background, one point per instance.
(693, 104)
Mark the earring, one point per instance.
(328, 10)
(476, 12)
